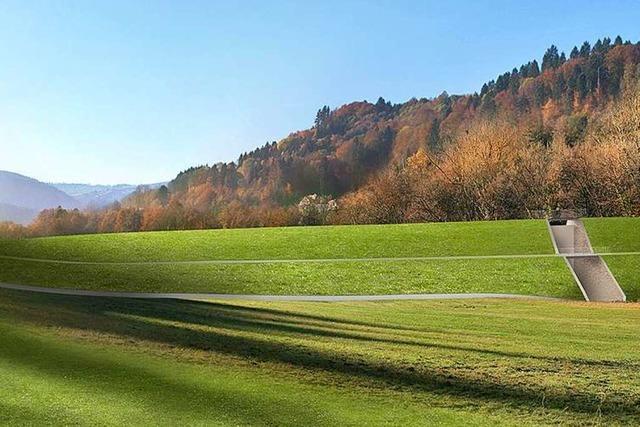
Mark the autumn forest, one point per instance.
(560, 133)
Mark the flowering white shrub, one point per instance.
(314, 209)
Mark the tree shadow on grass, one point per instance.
(108, 375)
(232, 307)
(13, 414)
(233, 330)
(266, 320)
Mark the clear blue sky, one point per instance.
(135, 91)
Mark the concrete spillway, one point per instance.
(590, 271)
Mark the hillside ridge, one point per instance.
(348, 145)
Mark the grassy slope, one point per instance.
(619, 235)
(357, 241)
(614, 234)
(538, 276)
(626, 269)
(524, 276)
(103, 361)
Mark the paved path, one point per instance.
(317, 298)
(314, 260)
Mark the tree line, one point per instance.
(563, 134)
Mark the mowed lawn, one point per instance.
(610, 235)
(341, 260)
(326, 242)
(536, 276)
(613, 234)
(96, 361)
(626, 269)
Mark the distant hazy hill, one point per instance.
(21, 197)
(97, 196)
(16, 214)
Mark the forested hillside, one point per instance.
(564, 133)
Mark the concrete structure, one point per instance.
(590, 271)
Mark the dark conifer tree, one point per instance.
(585, 49)
(381, 105)
(598, 47)
(163, 195)
(534, 69)
(433, 141)
(574, 53)
(503, 81)
(551, 58)
(322, 121)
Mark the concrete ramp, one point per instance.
(590, 271)
(570, 237)
(597, 281)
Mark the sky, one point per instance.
(136, 91)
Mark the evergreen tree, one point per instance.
(514, 81)
(322, 121)
(582, 86)
(488, 106)
(534, 69)
(596, 73)
(503, 81)
(574, 53)
(558, 86)
(433, 140)
(444, 104)
(381, 105)
(322, 116)
(598, 47)
(618, 41)
(484, 90)
(585, 49)
(163, 195)
(539, 93)
(382, 146)
(551, 58)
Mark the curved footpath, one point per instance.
(317, 298)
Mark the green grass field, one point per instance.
(100, 361)
(108, 361)
(619, 235)
(613, 234)
(626, 269)
(531, 276)
(125, 262)
(350, 241)
(537, 276)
